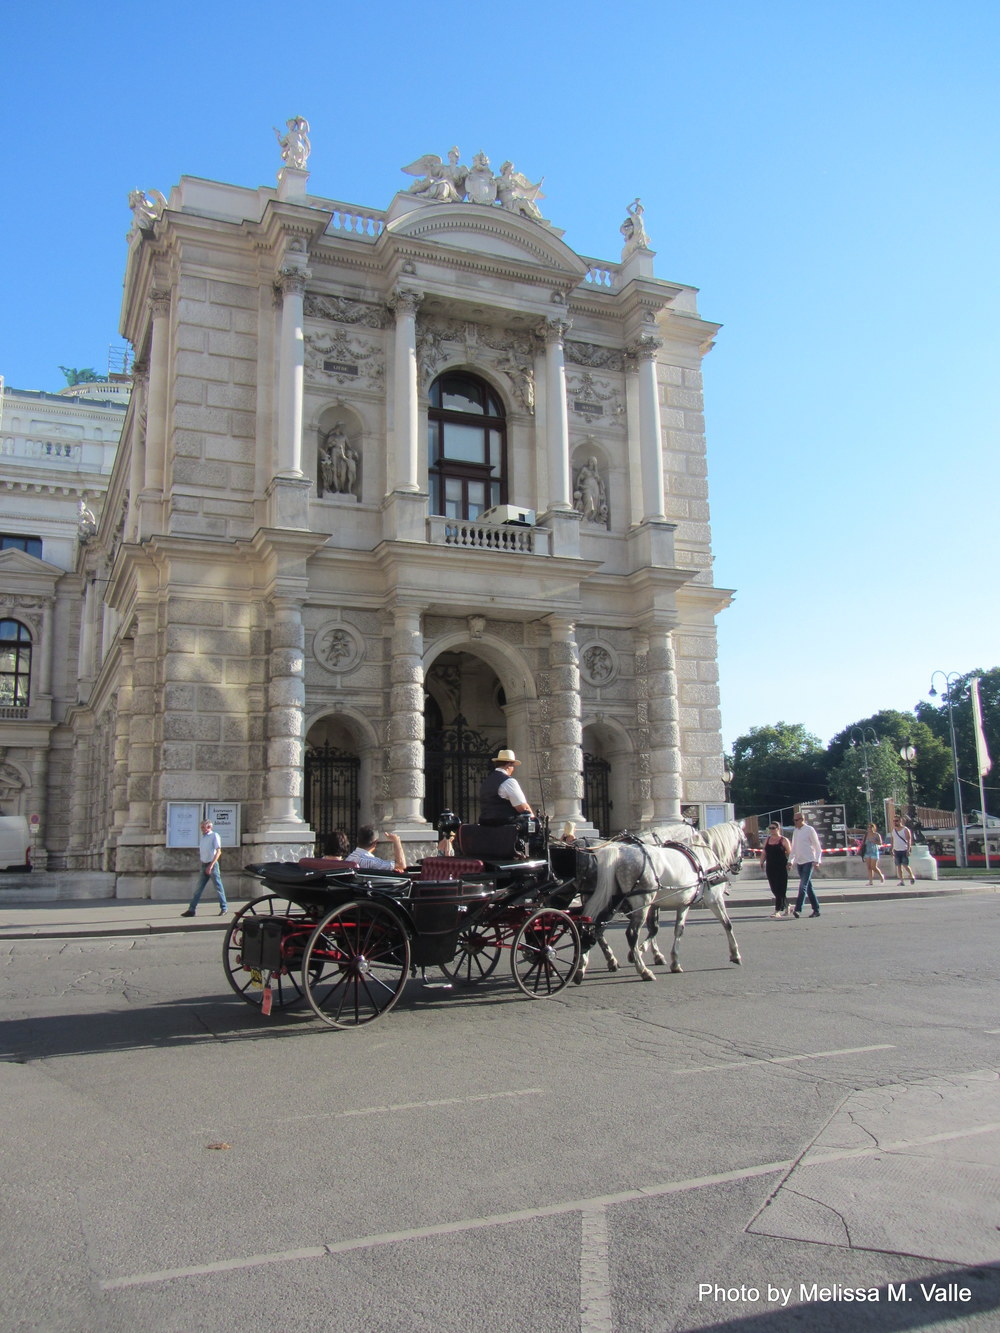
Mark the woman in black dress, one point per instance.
(774, 854)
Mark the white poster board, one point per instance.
(183, 818)
(225, 817)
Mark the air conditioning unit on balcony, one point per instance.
(525, 518)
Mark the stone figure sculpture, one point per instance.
(295, 145)
(517, 193)
(480, 183)
(146, 206)
(338, 464)
(589, 496)
(633, 228)
(443, 181)
(86, 522)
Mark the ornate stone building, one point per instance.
(394, 489)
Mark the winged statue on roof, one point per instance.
(517, 193)
(443, 181)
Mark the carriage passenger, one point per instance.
(501, 799)
(364, 856)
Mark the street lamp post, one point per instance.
(950, 678)
(908, 755)
(862, 735)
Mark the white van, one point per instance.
(15, 843)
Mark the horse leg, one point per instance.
(636, 920)
(716, 902)
(606, 949)
(579, 973)
(653, 926)
(675, 962)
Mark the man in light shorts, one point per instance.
(902, 842)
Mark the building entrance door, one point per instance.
(456, 759)
(331, 795)
(597, 803)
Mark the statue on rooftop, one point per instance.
(480, 183)
(443, 181)
(633, 228)
(295, 145)
(146, 206)
(517, 193)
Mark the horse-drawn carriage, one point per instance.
(345, 941)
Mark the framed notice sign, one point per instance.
(183, 818)
(225, 817)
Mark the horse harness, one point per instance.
(707, 879)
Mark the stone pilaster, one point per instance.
(404, 469)
(553, 332)
(123, 717)
(137, 457)
(286, 718)
(642, 355)
(291, 372)
(664, 728)
(156, 403)
(565, 728)
(406, 721)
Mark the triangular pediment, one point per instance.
(486, 230)
(14, 562)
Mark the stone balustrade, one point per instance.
(363, 224)
(17, 446)
(471, 536)
(601, 274)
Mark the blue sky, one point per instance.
(826, 174)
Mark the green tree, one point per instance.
(932, 769)
(936, 718)
(873, 769)
(775, 767)
(86, 376)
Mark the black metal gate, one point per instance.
(456, 759)
(597, 803)
(331, 795)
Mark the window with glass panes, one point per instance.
(16, 541)
(15, 664)
(467, 443)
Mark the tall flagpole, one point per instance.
(983, 761)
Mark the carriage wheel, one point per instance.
(476, 955)
(546, 953)
(356, 964)
(248, 983)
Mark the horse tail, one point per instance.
(599, 899)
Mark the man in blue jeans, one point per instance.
(209, 850)
(807, 852)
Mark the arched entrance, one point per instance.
(609, 770)
(464, 725)
(332, 779)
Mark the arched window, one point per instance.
(467, 445)
(15, 664)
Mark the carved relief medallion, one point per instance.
(338, 647)
(598, 664)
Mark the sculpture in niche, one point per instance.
(517, 193)
(589, 496)
(633, 228)
(146, 206)
(338, 464)
(443, 181)
(295, 145)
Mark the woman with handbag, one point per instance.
(774, 854)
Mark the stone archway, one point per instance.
(464, 724)
(609, 769)
(333, 782)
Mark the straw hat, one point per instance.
(506, 757)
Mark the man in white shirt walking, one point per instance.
(807, 852)
(209, 850)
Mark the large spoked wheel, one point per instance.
(546, 953)
(476, 957)
(356, 964)
(248, 982)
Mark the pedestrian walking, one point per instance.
(807, 853)
(209, 851)
(902, 845)
(872, 850)
(774, 856)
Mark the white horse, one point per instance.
(637, 879)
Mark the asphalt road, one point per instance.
(811, 1140)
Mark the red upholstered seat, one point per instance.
(325, 863)
(449, 867)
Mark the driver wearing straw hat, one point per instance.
(501, 799)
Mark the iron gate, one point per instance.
(331, 795)
(597, 803)
(456, 759)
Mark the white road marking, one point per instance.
(595, 1275)
(783, 1059)
(389, 1107)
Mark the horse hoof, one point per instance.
(737, 961)
(578, 979)
(676, 967)
(647, 976)
(612, 967)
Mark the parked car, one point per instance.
(15, 843)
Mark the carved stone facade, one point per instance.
(278, 583)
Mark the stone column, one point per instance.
(137, 458)
(156, 404)
(39, 806)
(286, 697)
(291, 371)
(45, 668)
(643, 352)
(664, 728)
(85, 655)
(406, 720)
(404, 469)
(123, 716)
(554, 331)
(565, 730)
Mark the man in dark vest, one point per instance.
(501, 799)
